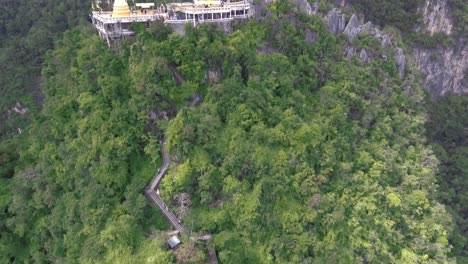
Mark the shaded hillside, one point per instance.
(296, 154)
(28, 29)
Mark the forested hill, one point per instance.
(296, 154)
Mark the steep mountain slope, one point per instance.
(308, 147)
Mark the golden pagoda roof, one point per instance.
(120, 9)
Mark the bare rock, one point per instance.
(436, 17)
(369, 28)
(401, 62)
(305, 6)
(353, 28)
(364, 56)
(310, 36)
(335, 21)
(350, 52)
(445, 69)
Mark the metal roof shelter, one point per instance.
(173, 242)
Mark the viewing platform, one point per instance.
(137, 16)
(217, 11)
(115, 24)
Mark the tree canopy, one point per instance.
(296, 154)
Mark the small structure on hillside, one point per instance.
(115, 24)
(173, 242)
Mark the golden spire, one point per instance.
(120, 9)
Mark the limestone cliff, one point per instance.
(336, 25)
(445, 69)
(436, 17)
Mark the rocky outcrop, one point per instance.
(353, 28)
(336, 21)
(364, 56)
(436, 17)
(306, 7)
(401, 62)
(445, 69)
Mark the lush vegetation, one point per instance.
(398, 13)
(459, 9)
(77, 195)
(295, 155)
(447, 127)
(28, 29)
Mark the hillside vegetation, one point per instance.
(296, 154)
(28, 29)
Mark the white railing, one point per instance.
(105, 17)
(134, 17)
(182, 21)
(224, 9)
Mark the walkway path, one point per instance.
(151, 194)
(154, 197)
(162, 171)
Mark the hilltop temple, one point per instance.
(115, 24)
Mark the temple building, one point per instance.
(115, 24)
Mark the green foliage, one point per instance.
(447, 130)
(459, 10)
(295, 155)
(427, 41)
(398, 13)
(8, 158)
(78, 197)
(328, 168)
(28, 28)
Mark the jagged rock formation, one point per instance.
(445, 69)
(353, 28)
(401, 62)
(309, 9)
(336, 21)
(364, 56)
(436, 17)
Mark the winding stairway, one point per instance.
(152, 195)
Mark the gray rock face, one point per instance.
(306, 7)
(335, 21)
(353, 28)
(369, 28)
(436, 17)
(401, 62)
(310, 36)
(364, 56)
(445, 69)
(350, 52)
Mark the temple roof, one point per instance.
(120, 9)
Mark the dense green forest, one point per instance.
(28, 28)
(296, 154)
(447, 127)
